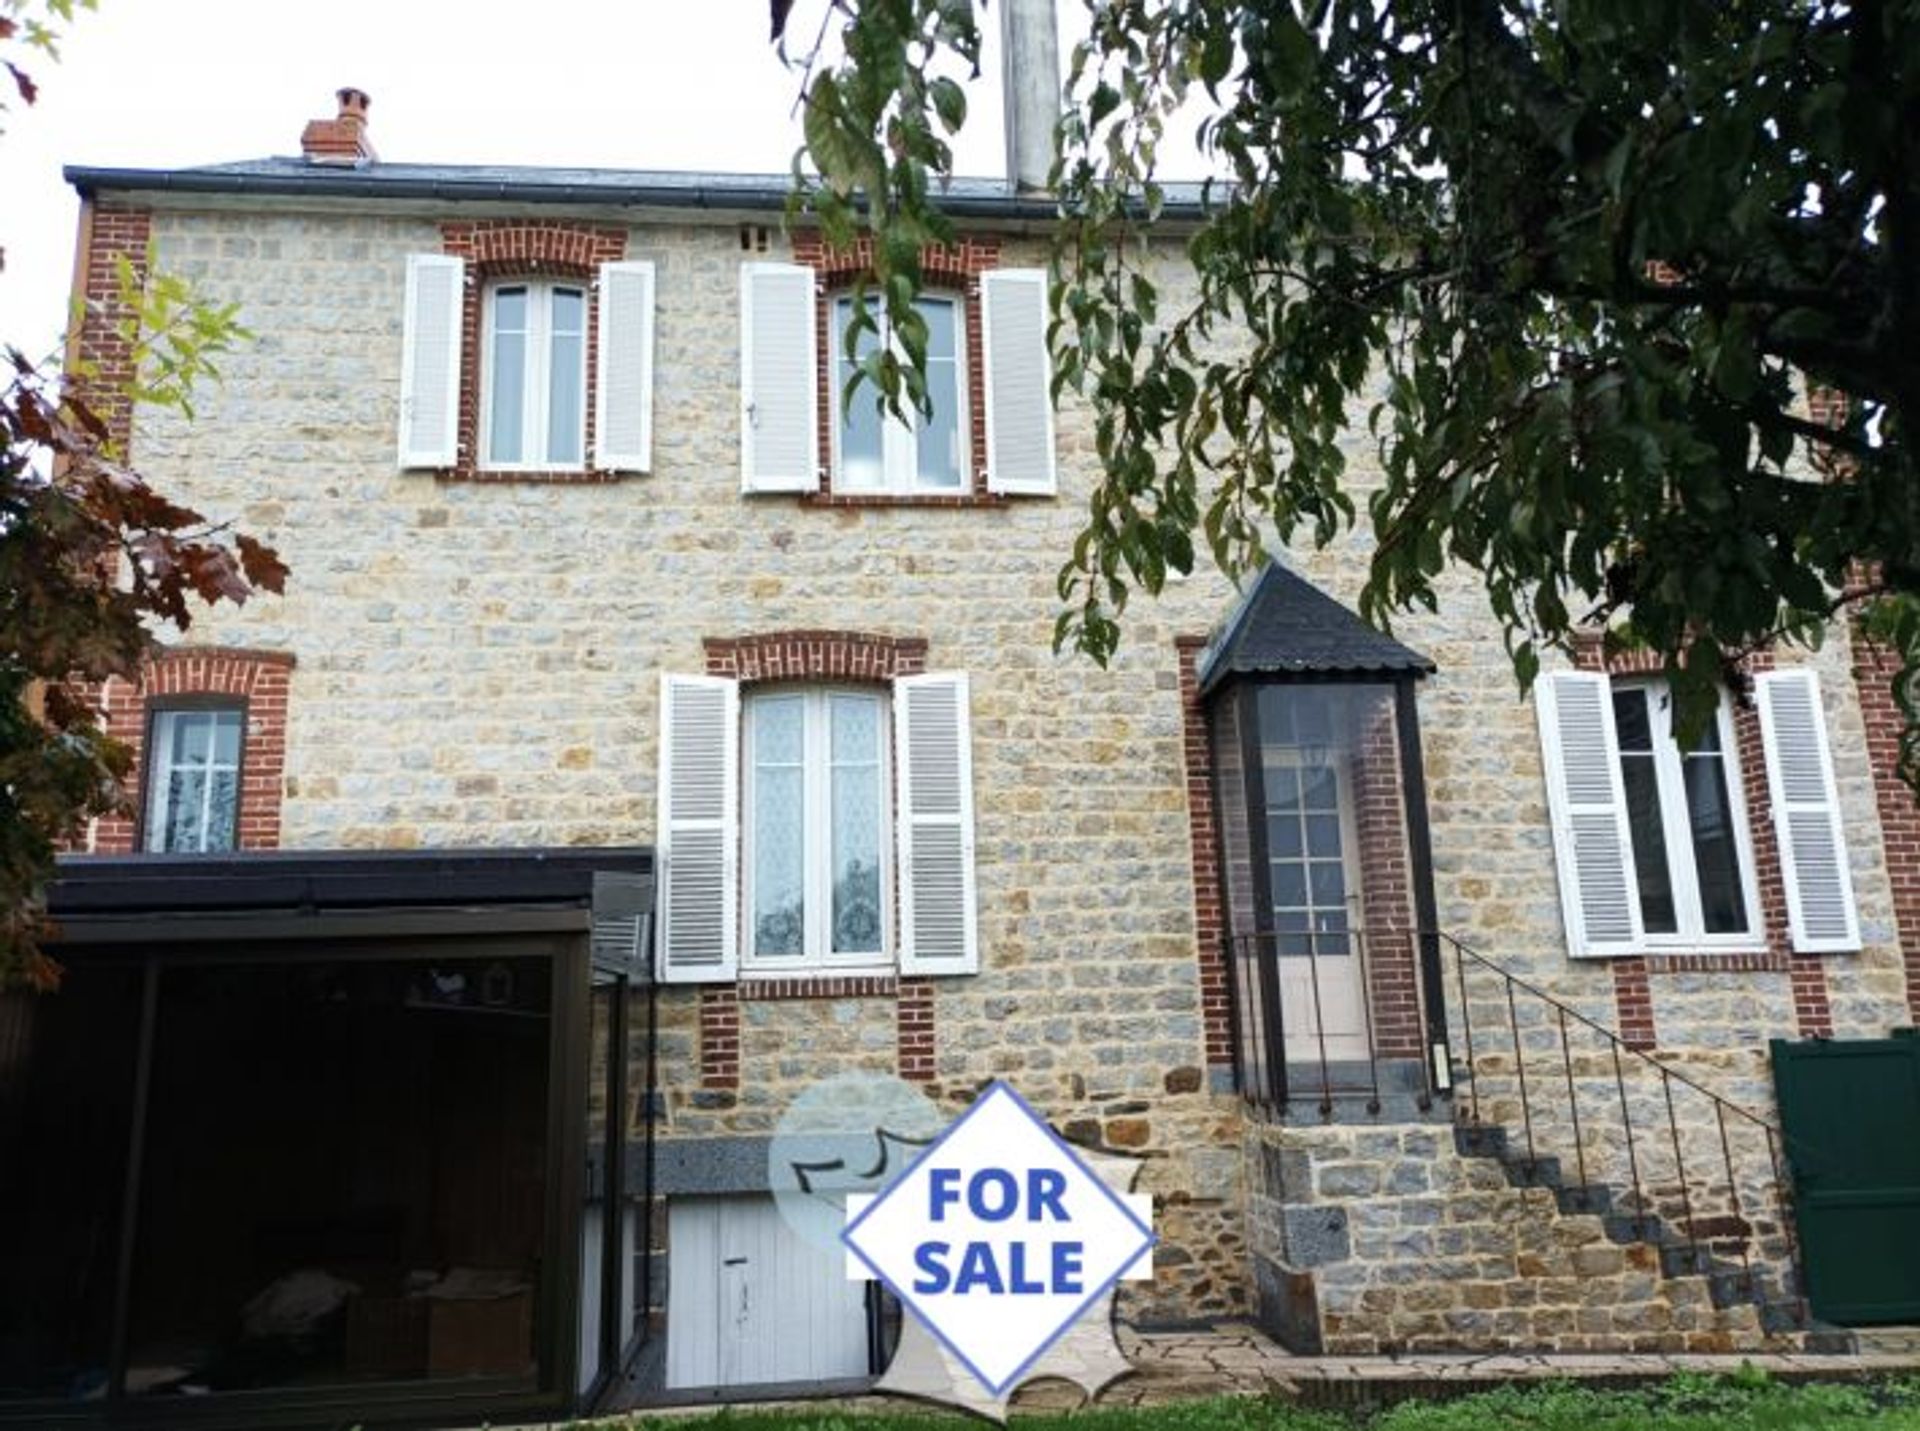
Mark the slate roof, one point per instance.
(624, 188)
(1285, 625)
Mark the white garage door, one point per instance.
(748, 1302)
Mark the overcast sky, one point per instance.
(651, 84)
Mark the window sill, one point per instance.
(758, 986)
(582, 476)
(1748, 960)
(904, 499)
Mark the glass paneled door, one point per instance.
(1313, 870)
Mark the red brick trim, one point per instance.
(913, 1030)
(719, 1036)
(828, 986)
(109, 234)
(1874, 669)
(1755, 961)
(956, 269)
(258, 681)
(518, 248)
(1812, 1012)
(815, 656)
(1633, 1001)
(1209, 889)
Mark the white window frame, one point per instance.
(159, 769)
(1670, 784)
(536, 372)
(817, 827)
(899, 453)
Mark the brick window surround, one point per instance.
(953, 270)
(257, 682)
(1813, 1015)
(499, 249)
(811, 655)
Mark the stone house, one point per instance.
(1437, 1017)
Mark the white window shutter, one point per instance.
(699, 836)
(1587, 800)
(779, 379)
(1019, 382)
(430, 361)
(623, 407)
(1806, 813)
(939, 931)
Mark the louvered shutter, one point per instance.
(1019, 381)
(430, 361)
(1806, 813)
(938, 928)
(1586, 798)
(779, 379)
(623, 412)
(699, 837)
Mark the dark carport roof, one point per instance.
(1285, 625)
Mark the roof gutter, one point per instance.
(361, 185)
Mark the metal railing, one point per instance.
(1578, 1108)
(1709, 1186)
(1283, 1054)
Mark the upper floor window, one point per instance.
(534, 377)
(876, 452)
(989, 428)
(494, 366)
(815, 809)
(1688, 822)
(192, 803)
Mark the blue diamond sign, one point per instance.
(998, 1237)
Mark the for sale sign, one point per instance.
(998, 1237)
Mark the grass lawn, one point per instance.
(1739, 1402)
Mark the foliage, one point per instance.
(1577, 263)
(1741, 1401)
(91, 558)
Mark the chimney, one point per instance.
(1030, 38)
(341, 140)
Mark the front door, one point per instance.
(1314, 867)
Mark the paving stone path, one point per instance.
(1233, 1359)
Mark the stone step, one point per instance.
(1480, 1140)
(1537, 1172)
(1589, 1199)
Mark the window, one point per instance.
(1654, 844)
(876, 452)
(794, 370)
(534, 376)
(494, 362)
(193, 780)
(815, 827)
(815, 836)
(1687, 821)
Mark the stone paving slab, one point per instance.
(1233, 1359)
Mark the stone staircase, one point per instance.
(1569, 1193)
(1734, 1283)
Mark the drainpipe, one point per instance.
(1030, 42)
